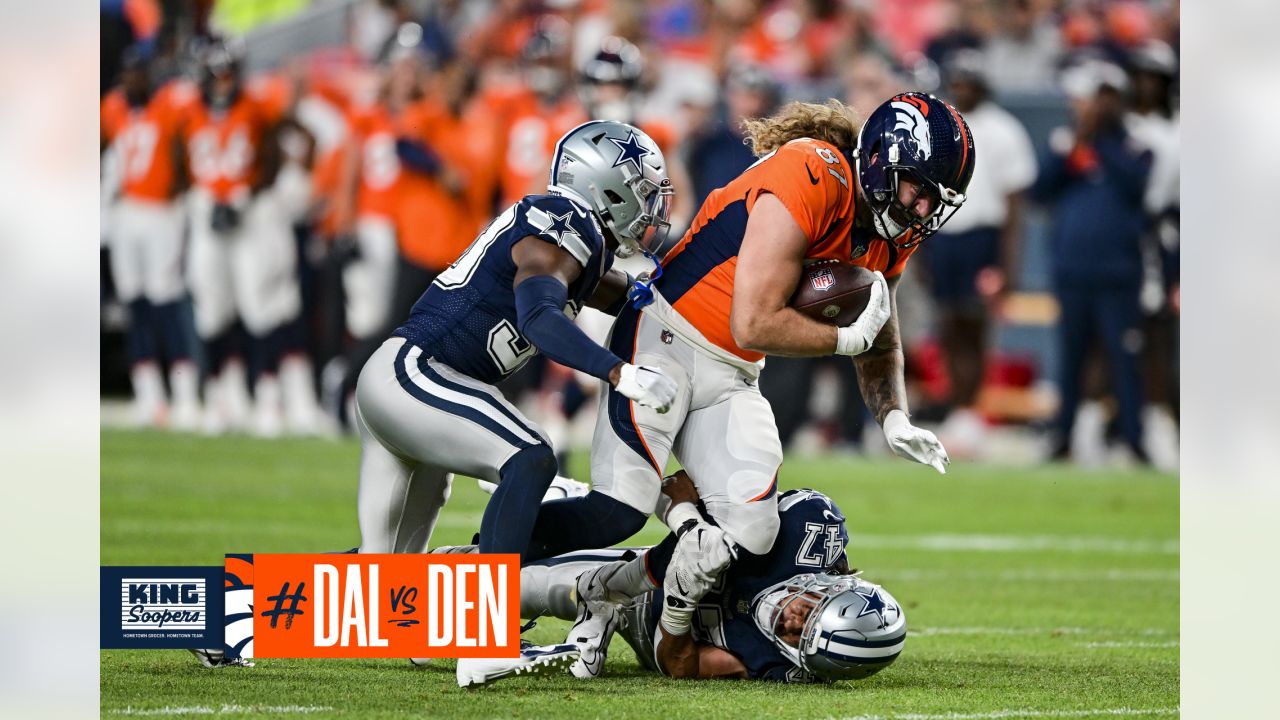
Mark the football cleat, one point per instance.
(534, 659)
(596, 622)
(217, 659)
(561, 487)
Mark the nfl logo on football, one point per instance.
(823, 279)
(151, 605)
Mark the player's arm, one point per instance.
(769, 265)
(543, 274)
(882, 369)
(611, 294)
(882, 380)
(680, 657)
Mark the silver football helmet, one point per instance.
(835, 627)
(618, 172)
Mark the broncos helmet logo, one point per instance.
(907, 116)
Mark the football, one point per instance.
(833, 291)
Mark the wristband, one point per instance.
(677, 616)
(678, 515)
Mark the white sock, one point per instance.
(632, 579)
(148, 391)
(184, 381)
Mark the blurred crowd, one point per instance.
(266, 224)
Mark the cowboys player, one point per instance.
(425, 404)
(795, 614)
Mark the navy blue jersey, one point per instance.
(811, 538)
(467, 318)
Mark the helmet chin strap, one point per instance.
(886, 227)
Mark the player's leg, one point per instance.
(1119, 318)
(1075, 336)
(732, 453)
(165, 288)
(547, 585)
(128, 272)
(427, 414)
(268, 297)
(629, 450)
(399, 499)
(209, 279)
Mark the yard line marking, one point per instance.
(928, 631)
(1020, 714)
(1114, 574)
(221, 710)
(1016, 543)
(1132, 644)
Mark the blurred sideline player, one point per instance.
(973, 262)
(822, 189)
(751, 620)
(142, 124)
(426, 406)
(537, 112)
(243, 259)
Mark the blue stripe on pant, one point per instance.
(462, 411)
(622, 342)
(482, 396)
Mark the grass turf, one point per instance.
(1029, 593)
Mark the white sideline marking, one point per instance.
(928, 631)
(1114, 574)
(1015, 543)
(222, 710)
(1132, 644)
(1129, 712)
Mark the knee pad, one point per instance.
(536, 461)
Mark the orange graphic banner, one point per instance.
(385, 606)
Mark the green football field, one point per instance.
(1045, 593)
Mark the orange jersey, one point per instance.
(145, 138)
(815, 182)
(433, 225)
(530, 139)
(374, 132)
(222, 147)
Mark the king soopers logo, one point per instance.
(163, 603)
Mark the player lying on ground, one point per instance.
(795, 614)
(425, 404)
(827, 186)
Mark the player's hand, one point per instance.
(647, 385)
(680, 488)
(702, 553)
(914, 443)
(857, 338)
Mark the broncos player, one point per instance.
(795, 614)
(425, 404)
(826, 186)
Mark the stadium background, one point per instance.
(697, 55)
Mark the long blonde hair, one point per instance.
(832, 122)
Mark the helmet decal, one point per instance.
(631, 151)
(910, 118)
(874, 603)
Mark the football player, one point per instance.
(795, 614)
(141, 124)
(825, 186)
(425, 403)
(243, 261)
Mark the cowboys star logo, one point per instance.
(630, 151)
(559, 227)
(873, 604)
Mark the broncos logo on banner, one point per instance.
(910, 118)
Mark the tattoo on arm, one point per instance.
(881, 370)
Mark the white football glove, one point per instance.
(701, 554)
(856, 338)
(914, 443)
(647, 385)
